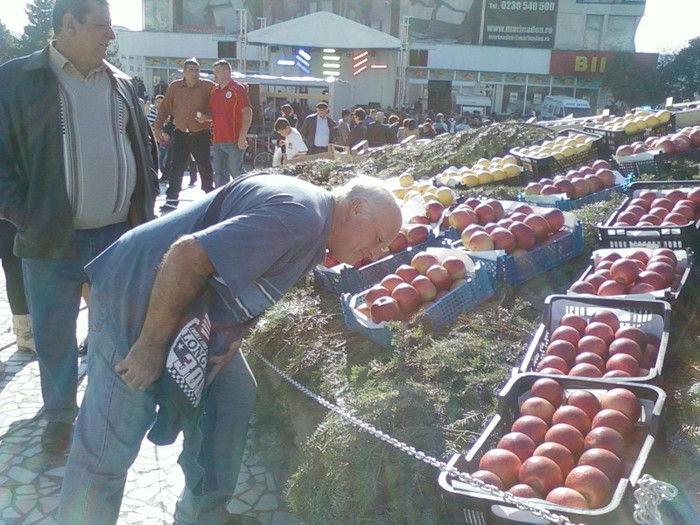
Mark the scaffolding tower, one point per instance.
(403, 63)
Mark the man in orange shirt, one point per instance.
(186, 100)
(231, 115)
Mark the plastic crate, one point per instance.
(613, 139)
(658, 166)
(463, 298)
(674, 237)
(466, 504)
(685, 260)
(652, 316)
(516, 270)
(566, 204)
(346, 279)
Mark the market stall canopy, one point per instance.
(323, 29)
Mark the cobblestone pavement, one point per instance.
(30, 479)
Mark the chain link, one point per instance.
(649, 493)
(520, 503)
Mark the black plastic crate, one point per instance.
(674, 237)
(613, 139)
(466, 504)
(651, 316)
(685, 258)
(659, 166)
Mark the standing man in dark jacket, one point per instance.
(76, 171)
(319, 130)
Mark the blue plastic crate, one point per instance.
(463, 298)
(346, 279)
(517, 270)
(574, 204)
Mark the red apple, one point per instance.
(586, 401)
(609, 417)
(592, 484)
(399, 243)
(592, 344)
(520, 444)
(480, 241)
(439, 276)
(489, 478)
(558, 453)
(585, 370)
(607, 317)
(548, 389)
(384, 309)
(416, 234)
(555, 219)
(406, 272)
(625, 345)
(624, 271)
(539, 226)
(605, 461)
(376, 291)
(567, 497)
(524, 235)
(407, 297)
(461, 218)
(575, 321)
(423, 260)
(425, 288)
(623, 362)
(566, 435)
(541, 473)
(503, 239)
(539, 407)
(391, 281)
(455, 267)
(532, 426)
(504, 463)
(623, 400)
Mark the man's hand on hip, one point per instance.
(142, 366)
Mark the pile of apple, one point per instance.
(641, 270)
(569, 450)
(560, 147)
(632, 123)
(679, 142)
(599, 347)
(483, 171)
(399, 295)
(409, 188)
(676, 207)
(484, 227)
(577, 182)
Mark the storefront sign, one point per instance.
(590, 63)
(520, 23)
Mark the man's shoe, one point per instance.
(57, 436)
(167, 208)
(241, 519)
(83, 348)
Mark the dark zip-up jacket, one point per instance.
(33, 192)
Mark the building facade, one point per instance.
(500, 56)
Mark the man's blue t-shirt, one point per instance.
(267, 231)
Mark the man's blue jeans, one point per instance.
(53, 288)
(114, 419)
(228, 162)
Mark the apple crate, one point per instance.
(565, 204)
(467, 504)
(651, 316)
(672, 294)
(344, 278)
(657, 164)
(516, 270)
(612, 139)
(463, 298)
(674, 237)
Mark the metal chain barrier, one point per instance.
(520, 503)
(649, 494)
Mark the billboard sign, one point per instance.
(520, 23)
(591, 64)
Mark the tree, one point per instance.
(39, 31)
(633, 83)
(8, 44)
(681, 72)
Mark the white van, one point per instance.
(556, 107)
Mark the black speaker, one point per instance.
(440, 96)
(226, 49)
(255, 95)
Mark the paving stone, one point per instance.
(253, 495)
(22, 475)
(267, 502)
(236, 506)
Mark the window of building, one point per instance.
(593, 31)
(619, 35)
(418, 58)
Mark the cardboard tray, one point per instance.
(652, 316)
(674, 237)
(468, 505)
(463, 298)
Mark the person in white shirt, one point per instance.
(295, 146)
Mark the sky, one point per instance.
(666, 26)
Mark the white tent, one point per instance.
(323, 29)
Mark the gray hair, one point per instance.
(372, 190)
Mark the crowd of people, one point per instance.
(170, 298)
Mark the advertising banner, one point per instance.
(520, 23)
(591, 64)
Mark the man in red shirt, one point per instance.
(231, 115)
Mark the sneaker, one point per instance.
(167, 208)
(56, 437)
